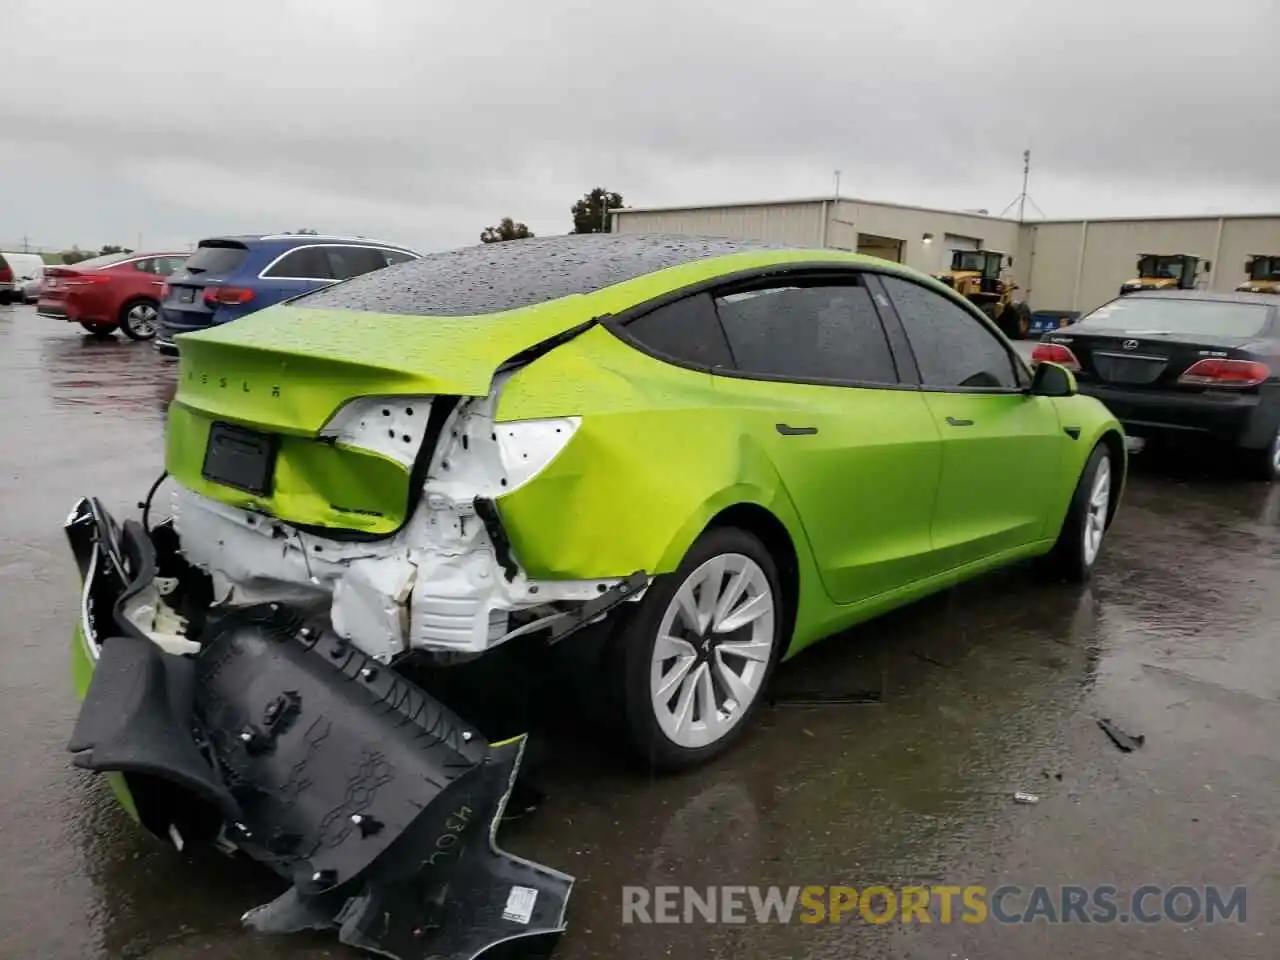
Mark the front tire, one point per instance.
(691, 663)
(139, 319)
(1074, 555)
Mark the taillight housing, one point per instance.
(1216, 372)
(213, 296)
(1055, 353)
(6, 274)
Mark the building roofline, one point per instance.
(789, 201)
(1160, 216)
(690, 207)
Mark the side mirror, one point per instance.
(1009, 261)
(1208, 266)
(1052, 380)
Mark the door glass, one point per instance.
(145, 266)
(825, 333)
(952, 347)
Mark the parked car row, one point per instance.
(20, 276)
(159, 294)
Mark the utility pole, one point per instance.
(604, 210)
(1022, 199)
(1026, 173)
(837, 184)
(26, 246)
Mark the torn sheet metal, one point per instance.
(375, 802)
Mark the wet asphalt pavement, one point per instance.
(988, 690)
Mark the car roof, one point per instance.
(301, 238)
(1224, 296)
(509, 275)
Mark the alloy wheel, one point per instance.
(1095, 516)
(712, 653)
(141, 319)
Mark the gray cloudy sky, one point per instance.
(422, 121)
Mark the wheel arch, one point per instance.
(1114, 441)
(773, 533)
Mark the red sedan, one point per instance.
(117, 291)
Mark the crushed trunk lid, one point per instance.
(289, 369)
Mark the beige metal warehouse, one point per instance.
(1061, 265)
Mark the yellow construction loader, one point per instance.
(1167, 271)
(976, 276)
(1263, 271)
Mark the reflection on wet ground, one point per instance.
(990, 689)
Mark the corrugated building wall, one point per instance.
(1058, 264)
(1080, 264)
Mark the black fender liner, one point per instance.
(378, 804)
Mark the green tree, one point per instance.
(112, 248)
(589, 213)
(75, 255)
(507, 229)
(307, 232)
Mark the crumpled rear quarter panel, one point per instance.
(654, 460)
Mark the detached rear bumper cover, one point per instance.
(378, 804)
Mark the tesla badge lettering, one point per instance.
(1212, 353)
(1130, 344)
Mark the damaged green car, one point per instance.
(686, 459)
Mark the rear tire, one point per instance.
(1080, 541)
(102, 330)
(1264, 464)
(1020, 320)
(139, 319)
(686, 690)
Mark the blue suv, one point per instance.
(226, 278)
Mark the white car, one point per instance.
(21, 268)
(29, 289)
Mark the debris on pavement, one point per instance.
(1021, 797)
(1124, 741)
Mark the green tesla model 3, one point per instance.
(697, 455)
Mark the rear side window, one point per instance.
(145, 266)
(305, 263)
(167, 266)
(686, 330)
(827, 332)
(952, 347)
(397, 256)
(217, 261)
(348, 262)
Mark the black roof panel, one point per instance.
(493, 277)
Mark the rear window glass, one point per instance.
(1156, 315)
(215, 260)
(97, 263)
(493, 277)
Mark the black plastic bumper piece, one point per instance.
(378, 804)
